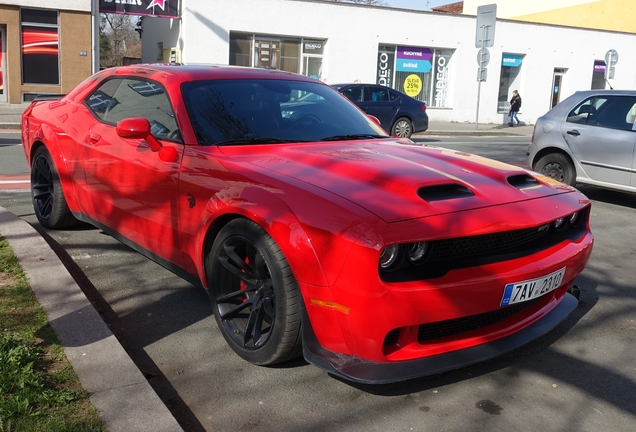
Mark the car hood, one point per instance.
(399, 181)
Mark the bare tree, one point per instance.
(119, 32)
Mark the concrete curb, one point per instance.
(122, 395)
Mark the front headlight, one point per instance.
(390, 257)
(417, 252)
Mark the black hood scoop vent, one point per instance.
(444, 192)
(523, 181)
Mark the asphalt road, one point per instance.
(579, 377)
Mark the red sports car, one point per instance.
(313, 231)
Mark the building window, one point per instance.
(509, 79)
(265, 51)
(40, 46)
(598, 75)
(420, 72)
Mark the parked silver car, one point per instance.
(588, 138)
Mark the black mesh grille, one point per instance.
(441, 329)
(456, 253)
(488, 244)
(392, 337)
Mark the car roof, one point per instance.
(586, 93)
(195, 72)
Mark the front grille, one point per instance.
(456, 253)
(488, 244)
(442, 329)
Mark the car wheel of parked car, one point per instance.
(558, 167)
(255, 296)
(402, 128)
(46, 192)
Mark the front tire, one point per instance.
(46, 193)
(558, 167)
(402, 128)
(255, 297)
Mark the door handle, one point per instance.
(573, 132)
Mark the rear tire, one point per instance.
(255, 297)
(402, 128)
(558, 167)
(46, 193)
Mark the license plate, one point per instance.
(527, 290)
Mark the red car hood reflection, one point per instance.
(384, 178)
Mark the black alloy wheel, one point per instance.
(254, 294)
(46, 192)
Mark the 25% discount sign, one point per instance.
(412, 85)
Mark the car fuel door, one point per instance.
(604, 140)
(131, 184)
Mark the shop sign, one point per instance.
(441, 81)
(599, 66)
(413, 59)
(405, 65)
(385, 68)
(413, 85)
(156, 8)
(511, 60)
(313, 46)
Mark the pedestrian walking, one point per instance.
(515, 104)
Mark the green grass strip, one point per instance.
(39, 390)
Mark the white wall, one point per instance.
(74, 5)
(514, 8)
(353, 33)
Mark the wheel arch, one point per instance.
(45, 137)
(551, 150)
(281, 224)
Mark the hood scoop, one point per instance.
(523, 182)
(443, 192)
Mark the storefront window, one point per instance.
(240, 49)
(313, 51)
(40, 46)
(509, 80)
(598, 75)
(265, 51)
(420, 72)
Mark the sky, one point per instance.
(418, 4)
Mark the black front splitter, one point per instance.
(363, 371)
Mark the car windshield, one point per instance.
(244, 112)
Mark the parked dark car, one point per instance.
(399, 114)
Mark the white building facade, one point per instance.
(430, 56)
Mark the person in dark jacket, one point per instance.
(515, 104)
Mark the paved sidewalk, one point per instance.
(483, 129)
(11, 114)
(120, 392)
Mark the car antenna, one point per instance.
(608, 83)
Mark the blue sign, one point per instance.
(411, 65)
(511, 60)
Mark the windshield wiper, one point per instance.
(254, 141)
(353, 137)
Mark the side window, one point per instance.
(393, 96)
(354, 94)
(102, 98)
(615, 112)
(378, 94)
(138, 98)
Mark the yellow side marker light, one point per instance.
(330, 305)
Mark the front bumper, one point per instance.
(363, 371)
